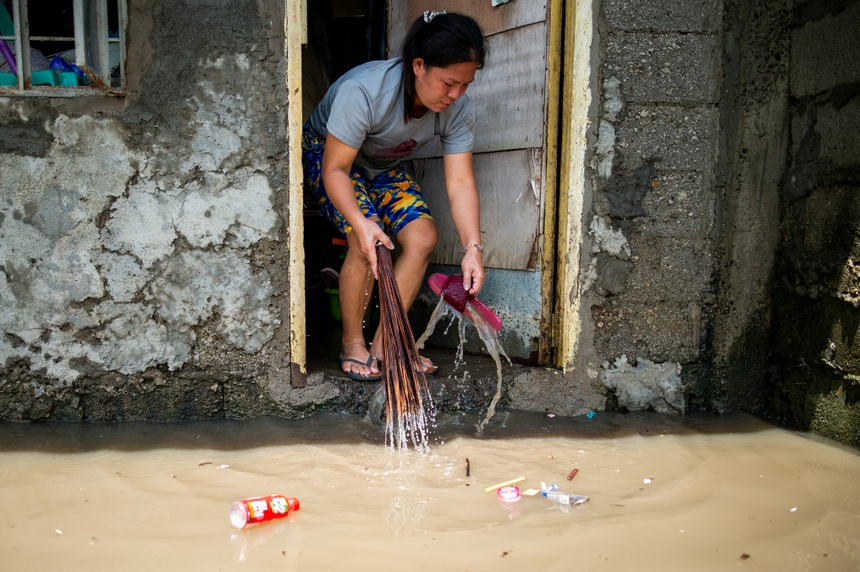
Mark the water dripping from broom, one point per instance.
(403, 380)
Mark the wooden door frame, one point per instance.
(549, 248)
(566, 188)
(564, 227)
(295, 34)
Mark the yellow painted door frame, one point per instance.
(295, 32)
(569, 76)
(549, 248)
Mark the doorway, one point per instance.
(527, 155)
(341, 35)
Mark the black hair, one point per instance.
(445, 40)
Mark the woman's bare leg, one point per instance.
(417, 241)
(356, 286)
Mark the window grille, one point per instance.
(62, 48)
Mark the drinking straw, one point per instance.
(504, 484)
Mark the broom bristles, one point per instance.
(402, 373)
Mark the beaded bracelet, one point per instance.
(476, 245)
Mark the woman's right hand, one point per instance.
(335, 171)
(368, 234)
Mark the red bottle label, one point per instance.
(264, 509)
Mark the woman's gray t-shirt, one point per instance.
(364, 109)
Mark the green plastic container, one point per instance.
(7, 25)
(333, 302)
(44, 77)
(50, 77)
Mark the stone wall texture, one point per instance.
(141, 266)
(653, 262)
(815, 376)
(143, 246)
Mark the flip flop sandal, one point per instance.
(429, 369)
(359, 376)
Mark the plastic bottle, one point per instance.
(261, 509)
(565, 498)
(552, 493)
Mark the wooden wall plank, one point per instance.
(508, 94)
(510, 189)
(492, 19)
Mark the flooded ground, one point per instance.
(693, 493)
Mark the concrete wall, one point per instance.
(651, 264)
(142, 258)
(751, 161)
(815, 379)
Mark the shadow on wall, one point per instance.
(816, 344)
(815, 348)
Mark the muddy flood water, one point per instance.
(666, 494)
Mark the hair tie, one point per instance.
(430, 14)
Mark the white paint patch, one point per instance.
(142, 225)
(207, 215)
(646, 385)
(613, 102)
(608, 239)
(605, 149)
(198, 286)
(123, 274)
(142, 298)
(48, 240)
(132, 341)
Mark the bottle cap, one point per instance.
(238, 514)
(509, 494)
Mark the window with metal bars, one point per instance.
(62, 48)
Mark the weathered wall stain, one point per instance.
(140, 239)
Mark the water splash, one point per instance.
(410, 427)
(487, 334)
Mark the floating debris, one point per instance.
(504, 484)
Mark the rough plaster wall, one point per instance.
(815, 367)
(652, 255)
(753, 147)
(143, 250)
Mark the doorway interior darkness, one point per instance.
(341, 35)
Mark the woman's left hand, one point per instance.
(466, 211)
(473, 271)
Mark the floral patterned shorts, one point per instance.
(393, 196)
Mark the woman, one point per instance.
(372, 118)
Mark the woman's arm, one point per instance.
(466, 212)
(336, 166)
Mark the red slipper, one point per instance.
(438, 282)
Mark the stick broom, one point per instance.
(400, 365)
